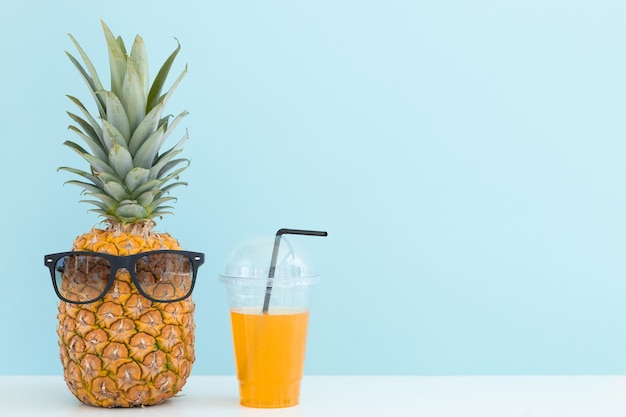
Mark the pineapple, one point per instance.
(124, 350)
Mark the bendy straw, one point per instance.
(270, 278)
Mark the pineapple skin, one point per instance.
(124, 350)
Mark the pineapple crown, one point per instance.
(129, 177)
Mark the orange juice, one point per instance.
(269, 353)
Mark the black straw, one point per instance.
(279, 234)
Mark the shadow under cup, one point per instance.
(269, 345)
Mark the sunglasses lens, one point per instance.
(82, 278)
(165, 276)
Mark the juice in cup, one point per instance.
(268, 286)
(269, 354)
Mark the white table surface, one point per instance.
(347, 396)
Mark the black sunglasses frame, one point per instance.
(123, 262)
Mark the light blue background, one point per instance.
(466, 158)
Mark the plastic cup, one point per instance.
(269, 341)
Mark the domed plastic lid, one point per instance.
(253, 259)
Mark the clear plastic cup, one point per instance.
(269, 319)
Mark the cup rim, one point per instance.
(276, 281)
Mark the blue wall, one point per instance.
(466, 158)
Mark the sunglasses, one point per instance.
(162, 276)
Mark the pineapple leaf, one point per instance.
(92, 70)
(104, 213)
(155, 171)
(147, 152)
(147, 186)
(167, 188)
(160, 211)
(117, 59)
(167, 156)
(166, 97)
(159, 203)
(106, 199)
(164, 121)
(79, 149)
(96, 147)
(103, 207)
(170, 127)
(136, 177)
(148, 125)
(94, 125)
(170, 165)
(90, 83)
(86, 129)
(139, 59)
(131, 212)
(133, 97)
(88, 187)
(115, 190)
(122, 46)
(177, 147)
(112, 136)
(98, 165)
(145, 199)
(121, 160)
(106, 177)
(116, 115)
(155, 91)
(83, 174)
(174, 174)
